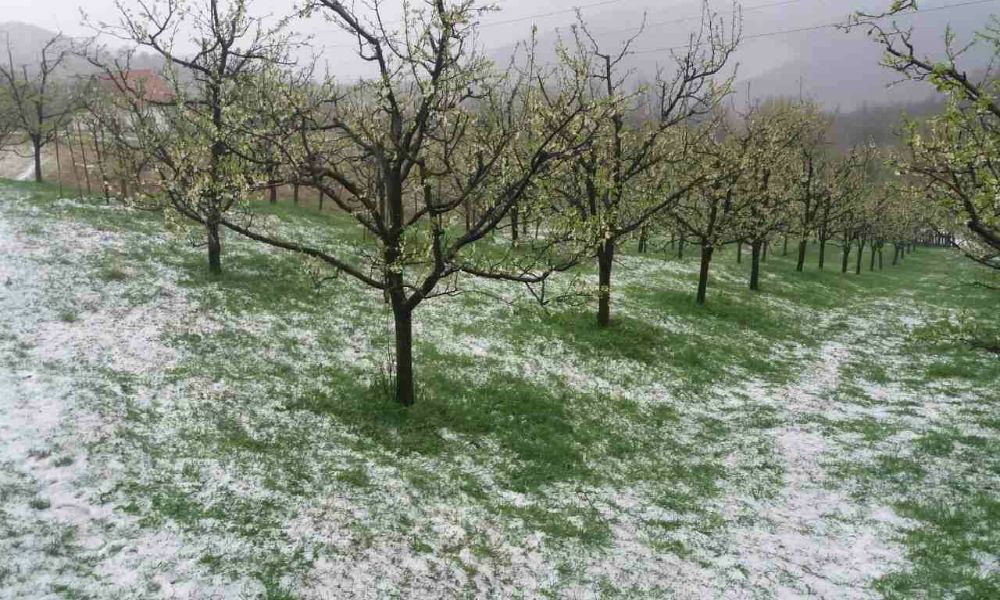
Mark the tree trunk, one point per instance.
(803, 244)
(214, 248)
(680, 248)
(273, 194)
(871, 265)
(295, 194)
(847, 252)
(785, 250)
(861, 253)
(880, 246)
(822, 252)
(403, 318)
(755, 248)
(72, 161)
(83, 157)
(124, 176)
(706, 259)
(37, 147)
(322, 195)
(763, 251)
(643, 239)
(513, 225)
(100, 169)
(605, 260)
(739, 253)
(58, 163)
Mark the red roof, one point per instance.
(148, 82)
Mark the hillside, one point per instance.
(27, 41)
(171, 435)
(787, 48)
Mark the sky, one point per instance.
(840, 69)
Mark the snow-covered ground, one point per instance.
(18, 164)
(62, 331)
(109, 489)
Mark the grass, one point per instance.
(542, 448)
(40, 504)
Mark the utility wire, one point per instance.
(524, 18)
(823, 26)
(692, 18)
(741, 10)
(551, 14)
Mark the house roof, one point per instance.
(145, 81)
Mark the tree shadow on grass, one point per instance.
(534, 425)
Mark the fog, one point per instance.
(788, 46)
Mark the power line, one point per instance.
(551, 14)
(823, 26)
(741, 10)
(606, 3)
(524, 18)
(692, 18)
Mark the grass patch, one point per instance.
(528, 424)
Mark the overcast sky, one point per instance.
(826, 60)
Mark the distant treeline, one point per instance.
(879, 123)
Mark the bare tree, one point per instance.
(198, 136)
(39, 103)
(125, 158)
(612, 189)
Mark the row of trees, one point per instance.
(454, 166)
(437, 156)
(46, 109)
(952, 157)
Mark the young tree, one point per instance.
(846, 183)
(711, 212)
(201, 137)
(609, 190)
(437, 129)
(39, 104)
(811, 191)
(771, 133)
(125, 158)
